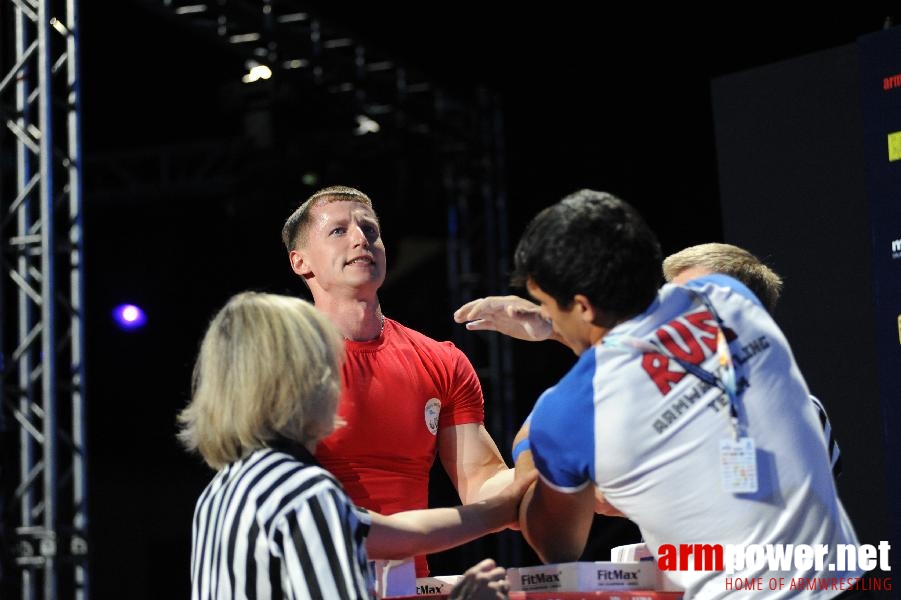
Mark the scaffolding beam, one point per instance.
(45, 517)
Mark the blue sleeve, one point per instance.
(561, 431)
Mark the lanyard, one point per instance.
(724, 378)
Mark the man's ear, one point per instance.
(585, 309)
(299, 263)
(595, 316)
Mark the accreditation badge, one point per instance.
(738, 465)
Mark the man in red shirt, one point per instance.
(405, 397)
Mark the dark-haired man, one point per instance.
(519, 318)
(666, 413)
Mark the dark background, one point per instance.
(605, 99)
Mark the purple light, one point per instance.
(129, 317)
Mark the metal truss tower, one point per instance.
(41, 302)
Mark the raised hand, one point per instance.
(510, 315)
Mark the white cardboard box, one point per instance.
(640, 552)
(584, 577)
(631, 553)
(440, 584)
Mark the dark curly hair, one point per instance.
(595, 244)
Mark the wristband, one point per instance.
(520, 447)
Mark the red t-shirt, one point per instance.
(397, 391)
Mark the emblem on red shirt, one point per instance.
(432, 411)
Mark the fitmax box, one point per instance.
(439, 584)
(584, 577)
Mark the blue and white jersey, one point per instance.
(629, 419)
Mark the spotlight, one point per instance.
(59, 26)
(366, 125)
(129, 317)
(256, 72)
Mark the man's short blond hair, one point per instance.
(294, 232)
(268, 370)
(729, 260)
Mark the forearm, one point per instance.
(541, 527)
(472, 461)
(432, 530)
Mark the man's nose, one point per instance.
(359, 236)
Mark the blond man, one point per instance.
(405, 397)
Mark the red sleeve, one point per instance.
(464, 402)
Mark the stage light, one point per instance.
(366, 125)
(59, 26)
(295, 63)
(256, 72)
(129, 317)
(292, 18)
(243, 38)
(190, 9)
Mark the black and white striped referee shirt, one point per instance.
(277, 525)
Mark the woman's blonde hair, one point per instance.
(268, 369)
